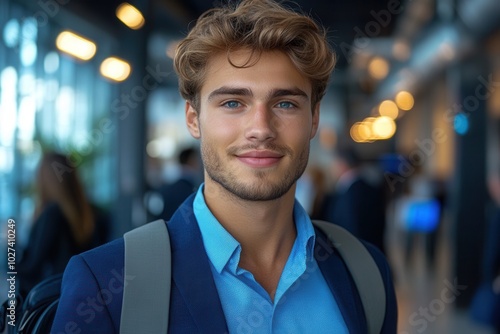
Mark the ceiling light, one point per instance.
(75, 45)
(130, 16)
(115, 69)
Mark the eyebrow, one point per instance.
(288, 92)
(229, 91)
(247, 92)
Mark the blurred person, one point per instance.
(357, 202)
(174, 193)
(491, 262)
(253, 75)
(439, 200)
(419, 211)
(485, 307)
(310, 190)
(64, 222)
(319, 183)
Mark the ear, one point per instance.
(192, 120)
(315, 120)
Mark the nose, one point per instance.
(261, 124)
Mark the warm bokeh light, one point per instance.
(75, 45)
(388, 108)
(362, 132)
(404, 100)
(372, 129)
(130, 16)
(358, 132)
(115, 69)
(367, 129)
(378, 68)
(383, 127)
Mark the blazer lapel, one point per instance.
(341, 284)
(192, 275)
(191, 271)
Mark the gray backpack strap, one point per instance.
(364, 272)
(146, 293)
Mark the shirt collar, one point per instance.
(224, 250)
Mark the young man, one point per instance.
(245, 255)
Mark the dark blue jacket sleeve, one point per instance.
(83, 304)
(92, 291)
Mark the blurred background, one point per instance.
(414, 102)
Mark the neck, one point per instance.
(252, 223)
(265, 230)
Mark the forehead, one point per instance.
(269, 70)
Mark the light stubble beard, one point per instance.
(265, 189)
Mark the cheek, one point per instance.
(297, 130)
(219, 130)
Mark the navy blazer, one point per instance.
(92, 288)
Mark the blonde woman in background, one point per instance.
(64, 222)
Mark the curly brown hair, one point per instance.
(259, 25)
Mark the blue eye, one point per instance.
(285, 105)
(232, 104)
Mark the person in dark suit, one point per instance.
(357, 203)
(245, 255)
(174, 193)
(491, 259)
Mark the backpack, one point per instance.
(34, 314)
(151, 241)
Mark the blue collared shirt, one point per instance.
(303, 302)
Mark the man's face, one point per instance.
(254, 124)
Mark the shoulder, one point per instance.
(92, 290)
(108, 255)
(390, 319)
(97, 266)
(50, 225)
(51, 214)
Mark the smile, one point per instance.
(260, 158)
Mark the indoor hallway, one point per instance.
(426, 293)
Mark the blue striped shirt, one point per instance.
(303, 302)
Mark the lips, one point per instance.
(260, 158)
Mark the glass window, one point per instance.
(47, 101)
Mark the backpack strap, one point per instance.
(152, 242)
(364, 272)
(145, 248)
